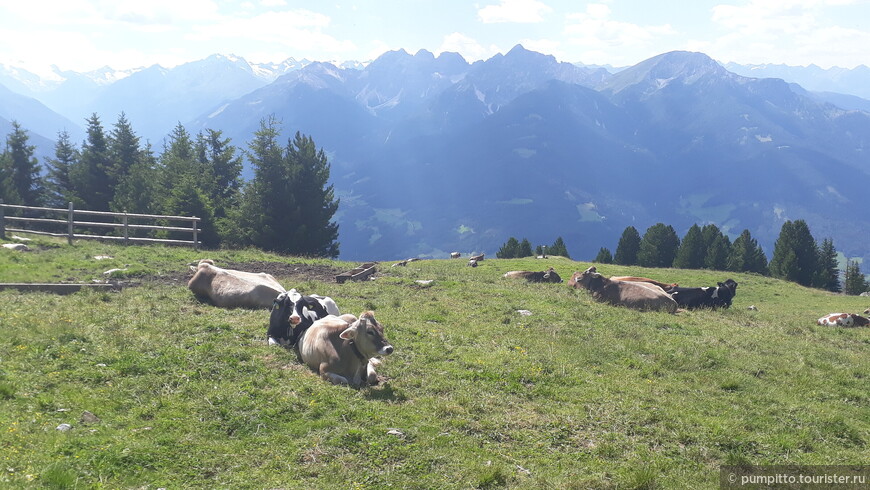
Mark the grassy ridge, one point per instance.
(576, 395)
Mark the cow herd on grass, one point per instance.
(344, 348)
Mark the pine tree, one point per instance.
(525, 249)
(223, 168)
(604, 256)
(658, 247)
(124, 149)
(91, 176)
(59, 190)
(559, 248)
(828, 270)
(746, 255)
(855, 283)
(509, 250)
(261, 218)
(316, 234)
(795, 254)
(136, 191)
(23, 181)
(716, 257)
(626, 250)
(691, 252)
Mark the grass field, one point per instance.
(575, 395)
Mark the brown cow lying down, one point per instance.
(843, 320)
(637, 295)
(666, 287)
(229, 288)
(548, 275)
(342, 349)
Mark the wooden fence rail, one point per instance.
(71, 224)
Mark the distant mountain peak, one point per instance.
(684, 66)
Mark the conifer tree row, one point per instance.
(796, 256)
(288, 207)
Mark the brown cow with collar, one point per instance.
(342, 349)
(637, 295)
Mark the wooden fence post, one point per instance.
(195, 241)
(2, 220)
(126, 235)
(69, 229)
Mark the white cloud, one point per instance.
(605, 40)
(469, 48)
(519, 11)
(796, 32)
(298, 29)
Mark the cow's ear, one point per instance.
(348, 334)
(193, 269)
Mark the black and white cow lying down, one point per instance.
(292, 314)
(708, 297)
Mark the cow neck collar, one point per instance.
(356, 351)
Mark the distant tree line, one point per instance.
(514, 249)
(796, 257)
(287, 207)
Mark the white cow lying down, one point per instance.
(229, 288)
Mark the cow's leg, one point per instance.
(333, 378)
(371, 375)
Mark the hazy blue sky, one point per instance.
(87, 34)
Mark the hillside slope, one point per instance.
(575, 395)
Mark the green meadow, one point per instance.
(163, 391)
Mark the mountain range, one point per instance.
(434, 154)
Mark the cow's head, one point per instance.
(552, 276)
(588, 279)
(730, 285)
(368, 335)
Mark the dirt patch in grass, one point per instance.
(296, 272)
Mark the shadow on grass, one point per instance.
(385, 392)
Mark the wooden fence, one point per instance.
(72, 224)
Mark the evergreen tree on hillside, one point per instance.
(509, 250)
(525, 249)
(220, 177)
(23, 184)
(658, 247)
(716, 257)
(855, 283)
(222, 169)
(604, 256)
(177, 159)
(628, 246)
(559, 248)
(182, 184)
(136, 191)
(746, 255)
(795, 255)
(288, 207)
(91, 176)
(315, 203)
(716, 247)
(828, 270)
(691, 253)
(124, 150)
(58, 186)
